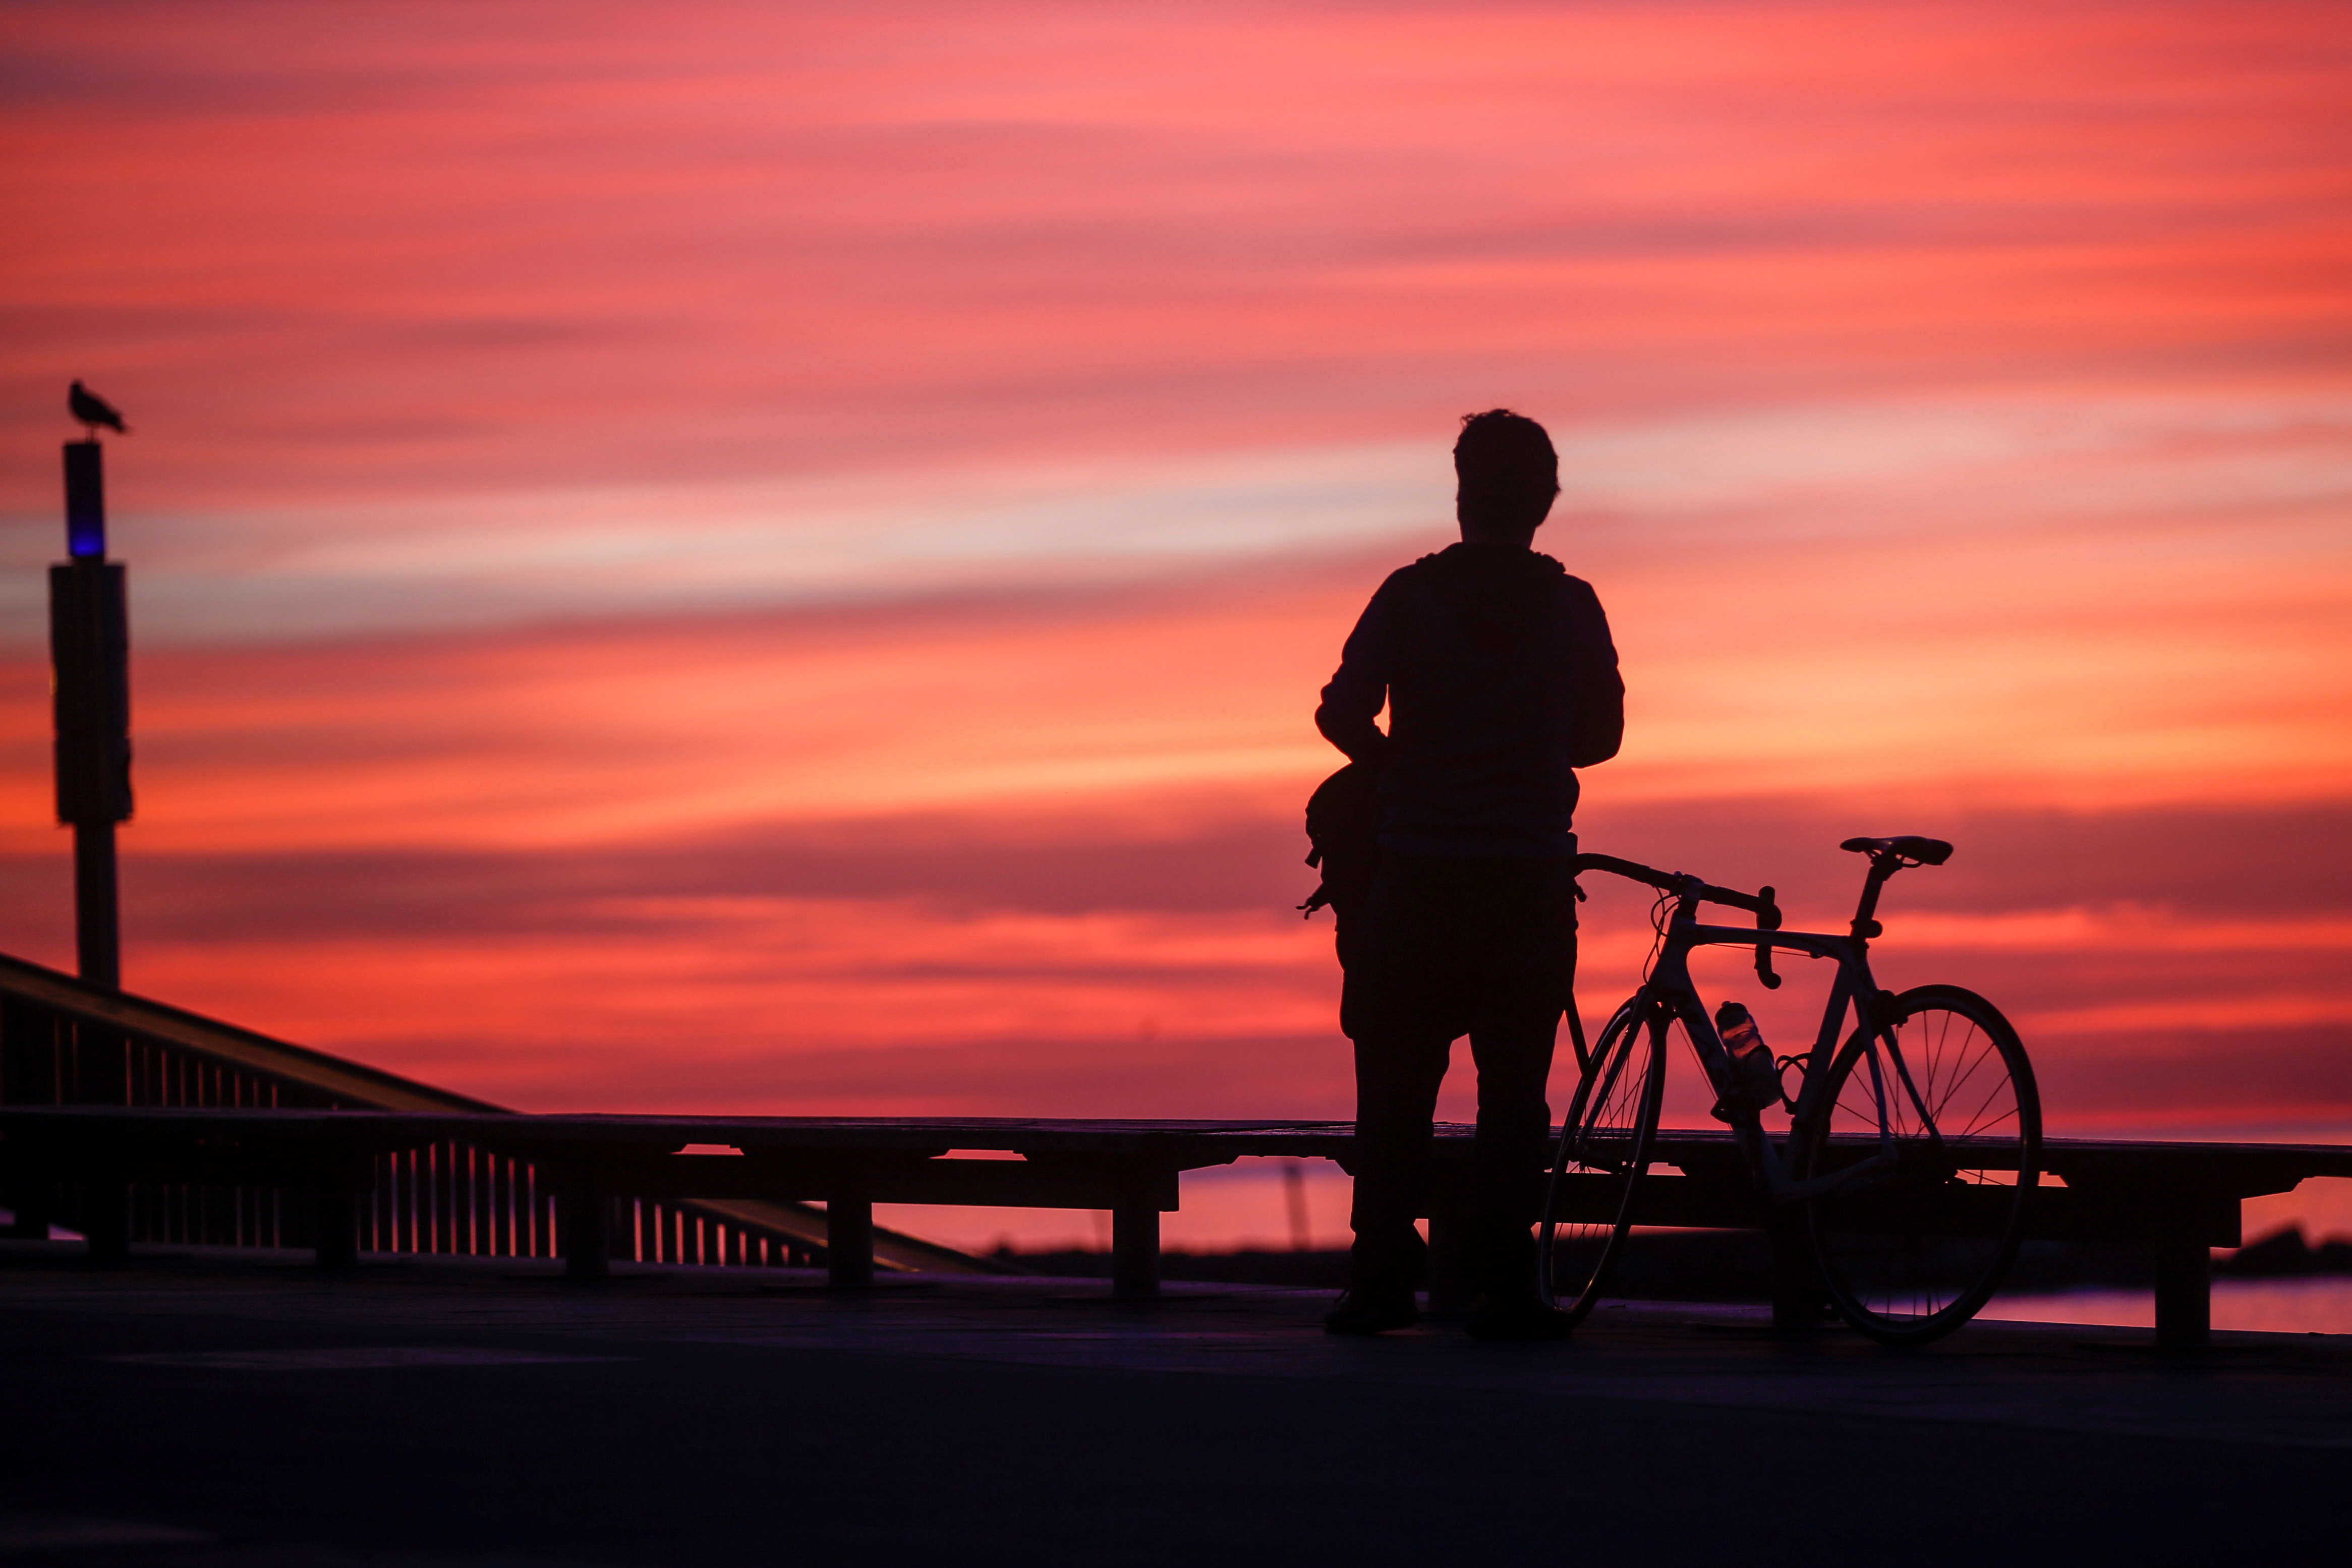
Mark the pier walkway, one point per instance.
(2176, 1200)
(209, 1408)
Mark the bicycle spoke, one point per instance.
(1603, 1153)
(1894, 1265)
(1960, 1079)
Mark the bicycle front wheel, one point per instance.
(1911, 1253)
(1605, 1150)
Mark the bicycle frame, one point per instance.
(1669, 992)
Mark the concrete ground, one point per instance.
(198, 1409)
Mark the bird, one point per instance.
(94, 410)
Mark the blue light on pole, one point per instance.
(85, 502)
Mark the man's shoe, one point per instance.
(1362, 1312)
(1519, 1320)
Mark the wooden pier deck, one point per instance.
(203, 1409)
(2178, 1200)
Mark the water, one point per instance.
(2314, 1305)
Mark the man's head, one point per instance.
(1508, 474)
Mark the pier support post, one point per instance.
(335, 1222)
(1797, 1302)
(106, 1222)
(584, 1230)
(849, 1241)
(1135, 1252)
(29, 1202)
(2184, 1294)
(1449, 1285)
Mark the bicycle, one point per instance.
(1912, 1147)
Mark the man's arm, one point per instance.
(1354, 700)
(1600, 689)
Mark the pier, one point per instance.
(139, 1123)
(320, 1314)
(198, 1406)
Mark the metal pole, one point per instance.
(98, 930)
(90, 647)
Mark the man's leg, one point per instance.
(1402, 1039)
(1397, 1075)
(1514, 1057)
(1533, 949)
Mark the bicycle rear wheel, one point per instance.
(1910, 1255)
(1605, 1150)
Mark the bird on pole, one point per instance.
(94, 410)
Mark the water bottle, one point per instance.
(1755, 1082)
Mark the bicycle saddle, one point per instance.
(1907, 846)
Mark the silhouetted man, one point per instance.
(1500, 679)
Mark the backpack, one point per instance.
(1343, 836)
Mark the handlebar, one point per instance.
(1684, 885)
(1665, 882)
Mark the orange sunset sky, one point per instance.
(776, 558)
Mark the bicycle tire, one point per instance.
(1605, 1150)
(1910, 1257)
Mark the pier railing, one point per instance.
(131, 1121)
(63, 1043)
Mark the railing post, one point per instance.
(849, 1241)
(1135, 1251)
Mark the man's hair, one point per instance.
(1504, 456)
